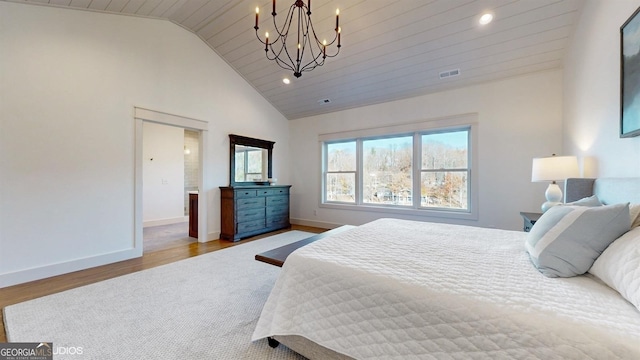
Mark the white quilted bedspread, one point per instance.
(396, 289)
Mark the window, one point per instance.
(387, 174)
(425, 171)
(248, 163)
(445, 171)
(340, 178)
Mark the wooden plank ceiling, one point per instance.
(391, 49)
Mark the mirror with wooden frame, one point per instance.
(250, 161)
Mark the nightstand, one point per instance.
(529, 219)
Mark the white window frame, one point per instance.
(461, 122)
(326, 172)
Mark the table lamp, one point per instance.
(553, 168)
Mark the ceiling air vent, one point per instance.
(324, 101)
(450, 73)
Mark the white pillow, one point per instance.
(619, 266)
(587, 201)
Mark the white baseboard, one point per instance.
(168, 221)
(46, 271)
(314, 223)
(213, 236)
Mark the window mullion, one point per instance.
(445, 170)
(325, 172)
(416, 182)
(246, 164)
(359, 172)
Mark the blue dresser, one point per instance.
(252, 210)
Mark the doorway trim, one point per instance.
(202, 127)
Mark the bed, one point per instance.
(397, 289)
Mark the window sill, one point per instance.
(458, 215)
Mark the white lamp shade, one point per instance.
(554, 168)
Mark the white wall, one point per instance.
(163, 174)
(519, 118)
(69, 81)
(592, 92)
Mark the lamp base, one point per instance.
(553, 195)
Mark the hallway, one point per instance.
(166, 236)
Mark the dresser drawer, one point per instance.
(272, 192)
(250, 202)
(264, 192)
(250, 214)
(277, 200)
(282, 220)
(250, 225)
(278, 210)
(245, 193)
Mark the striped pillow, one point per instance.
(566, 240)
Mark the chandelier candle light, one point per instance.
(307, 41)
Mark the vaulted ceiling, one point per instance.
(391, 49)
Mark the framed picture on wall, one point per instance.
(630, 76)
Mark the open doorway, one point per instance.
(170, 182)
(151, 175)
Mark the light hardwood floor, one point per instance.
(160, 256)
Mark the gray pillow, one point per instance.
(588, 201)
(566, 240)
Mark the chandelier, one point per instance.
(308, 52)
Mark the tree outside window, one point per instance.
(387, 167)
(445, 170)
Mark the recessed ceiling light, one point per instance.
(485, 19)
(286, 81)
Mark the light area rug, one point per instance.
(205, 307)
